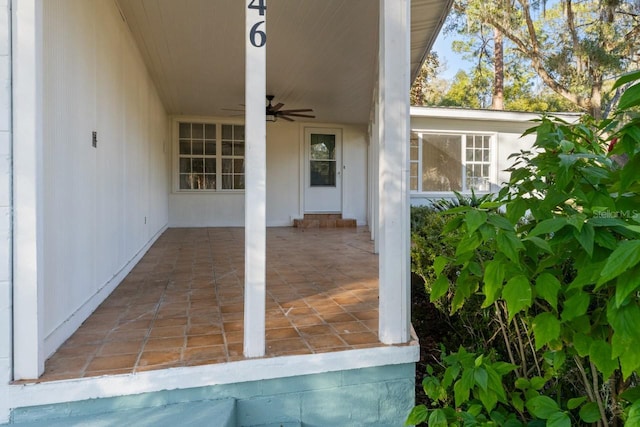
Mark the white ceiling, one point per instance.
(321, 54)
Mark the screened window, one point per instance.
(210, 156)
(441, 162)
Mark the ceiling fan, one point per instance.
(274, 112)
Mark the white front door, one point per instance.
(323, 170)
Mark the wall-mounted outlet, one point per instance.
(94, 139)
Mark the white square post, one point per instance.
(393, 122)
(28, 299)
(255, 180)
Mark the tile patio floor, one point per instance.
(182, 304)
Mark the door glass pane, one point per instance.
(323, 147)
(323, 173)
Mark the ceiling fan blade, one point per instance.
(297, 115)
(286, 118)
(300, 110)
(278, 106)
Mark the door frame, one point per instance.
(304, 168)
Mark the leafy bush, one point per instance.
(556, 257)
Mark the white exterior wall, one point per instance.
(103, 206)
(6, 344)
(285, 160)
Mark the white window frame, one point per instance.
(218, 122)
(493, 159)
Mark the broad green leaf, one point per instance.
(590, 413)
(522, 383)
(588, 274)
(503, 368)
(546, 328)
(633, 419)
(629, 359)
(450, 374)
(453, 224)
(439, 263)
(488, 398)
(481, 377)
(467, 376)
(559, 419)
(575, 402)
(547, 287)
(548, 226)
(626, 78)
(460, 393)
(478, 362)
(474, 219)
(509, 244)
(432, 388)
(495, 383)
(625, 320)
(516, 210)
(418, 415)
(468, 243)
(630, 98)
(629, 173)
(541, 243)
(475, 409)
(542, 407)
(537, 382)
(575, 306)
(626, 256)
(517, 294)
(600, 355)
(631, 395)
(493, 278)
(582, 344)
(627, 282)
(500, 222)
(438, 418)
(516, 401)
(586, 238)
(439, 288)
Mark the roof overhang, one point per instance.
(321, 54)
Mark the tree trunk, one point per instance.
(497, 101)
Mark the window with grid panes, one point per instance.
(211, 156)
(443, 162)
(232, 154)
(197, 156)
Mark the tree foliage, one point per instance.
(576, 48)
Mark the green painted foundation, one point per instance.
(379, 396)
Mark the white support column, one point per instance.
(394, 62)
(28, 295)
(255, 180)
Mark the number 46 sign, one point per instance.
(257, 37)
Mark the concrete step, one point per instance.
(324, 221)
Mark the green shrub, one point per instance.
(556, 258)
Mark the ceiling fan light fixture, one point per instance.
(271, 117)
